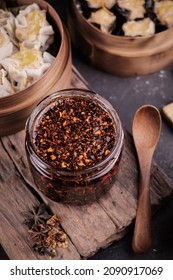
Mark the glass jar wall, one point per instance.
(74, 141)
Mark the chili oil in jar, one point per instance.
(74, 141)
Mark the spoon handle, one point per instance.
(142, 238)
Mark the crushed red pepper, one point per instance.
(74, 133)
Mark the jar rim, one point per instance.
(75, 92)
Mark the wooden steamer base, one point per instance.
(88, 227)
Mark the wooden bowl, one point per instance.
(118, 55)
(15, 109)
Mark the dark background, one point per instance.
(127, 95)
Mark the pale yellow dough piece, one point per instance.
(104, 18)
(145, 27)
(164, 12)
(135, 7)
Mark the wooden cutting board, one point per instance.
(88, 227)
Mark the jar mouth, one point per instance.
(66, 93)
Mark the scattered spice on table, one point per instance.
(45, 231)
(74, 133)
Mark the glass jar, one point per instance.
(83, 183)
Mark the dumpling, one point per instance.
(144, 27)
(134, 7)
(5, 17)
(7, 22)
(6, 46)
(32, 28)
(100, 3)
(5, 86)
(164, 12)
(26, 67)
(104, 18)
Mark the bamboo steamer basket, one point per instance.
(118, 55)
(15, 109)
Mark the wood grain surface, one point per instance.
(88, 227)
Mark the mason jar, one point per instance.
(74, 142)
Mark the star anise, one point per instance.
(45, 231)
(37, 216)
(38, 233)
(39, 247)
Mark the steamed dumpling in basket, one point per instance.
(5, 86)
(7, 21)
(26, 67)
(135, 8)
(5, 17)
(164, 12)
(32, 28)
(6, 46)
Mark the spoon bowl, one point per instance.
(146, 132)
(146, 126)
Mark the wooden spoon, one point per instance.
(146, 131)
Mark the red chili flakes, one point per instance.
(74, 133)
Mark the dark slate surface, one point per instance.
(126, 95)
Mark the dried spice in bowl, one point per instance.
(74, 141)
